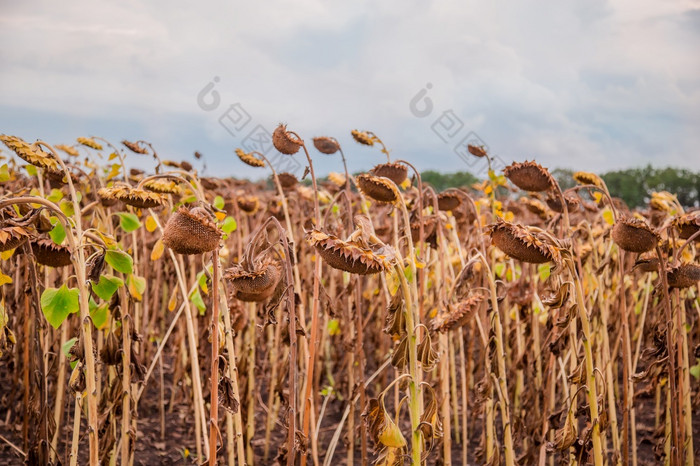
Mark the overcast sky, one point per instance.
(590, 85)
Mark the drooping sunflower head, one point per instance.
(326, 145)
(48, 253)
(90, 142)
(688, 224)
(30, 153)
(191, 231)
(477, 151)
(634, 235)
(396, 172)
(589, 178)
(135, 147)
(249, 159)
(684, 275)
(70, 150)
(257, 284)
(286, 141)
(529, 176)
(449, 201)
(248, 204)
(162, 186)
(362, 137)
(134, 197)
(378, 188)
(349, 256)
(523, 243)
(287, 180)
(572, 203)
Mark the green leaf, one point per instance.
(66, 207)
(202, 281)
(106, 287)
(695, 370)
(137, 285)
(499, 268)
(68, 345)
(219, 202)
(120, 261)
(100, 316)
(197, 300)
(58, 233)
(55, 195)
(31, 170)
(543, 271)
(128, 221)
(334, 327)
(56, 304)
(229, 225)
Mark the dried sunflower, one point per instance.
(135, 147)
(535, 206)
(12, 237)
(326, 145)
(49, 253)
(634, 235)
(350, 256)
(589, 178)
(572, 203)
(478, 151)
(135, 197)
(248, 204)
(285, 141)
(459, 314)
(529, 176)
(162, 186)
(191, 232)
(362, 137)
(70, 150)
(287, 180)
(30, 153)
(523, 243)
(249, 159)
(683, 275)
(396, 172)
(256, 284)
(688, 224)
(449, 201)
(90, 142)
(337, 179)
(379, 189)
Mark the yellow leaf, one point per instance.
(509, 216)
(488, 189)
(608, 216)
(173, 302)
(158, 249)
(420, 265)
(5, 279)
(220, 216)
(7, 254)
(109, 241)
(112, 156)
(151, 224)
(597, 196)
(406, 183)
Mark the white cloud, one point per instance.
(592, 85)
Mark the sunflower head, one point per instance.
(684, 275)
(477, 151)
(135, 147)
(49, 253)
(529, 176)
(378, 188)
(134, 197)
(162, 186)
(287, 180)
(634, 235)
(572, 203)
(12, 237)
(191, 231)
(396, 172)
(70, 150)
(688, 224)
(257, 284)
(326, 145)
(459, 314)
(30, 153)
(350, 256)
(449, 201)
(523, 243)
(589, 178)
(286, 141)
(249, 159)
(90, 142)
(248, 204)
(362, 137)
